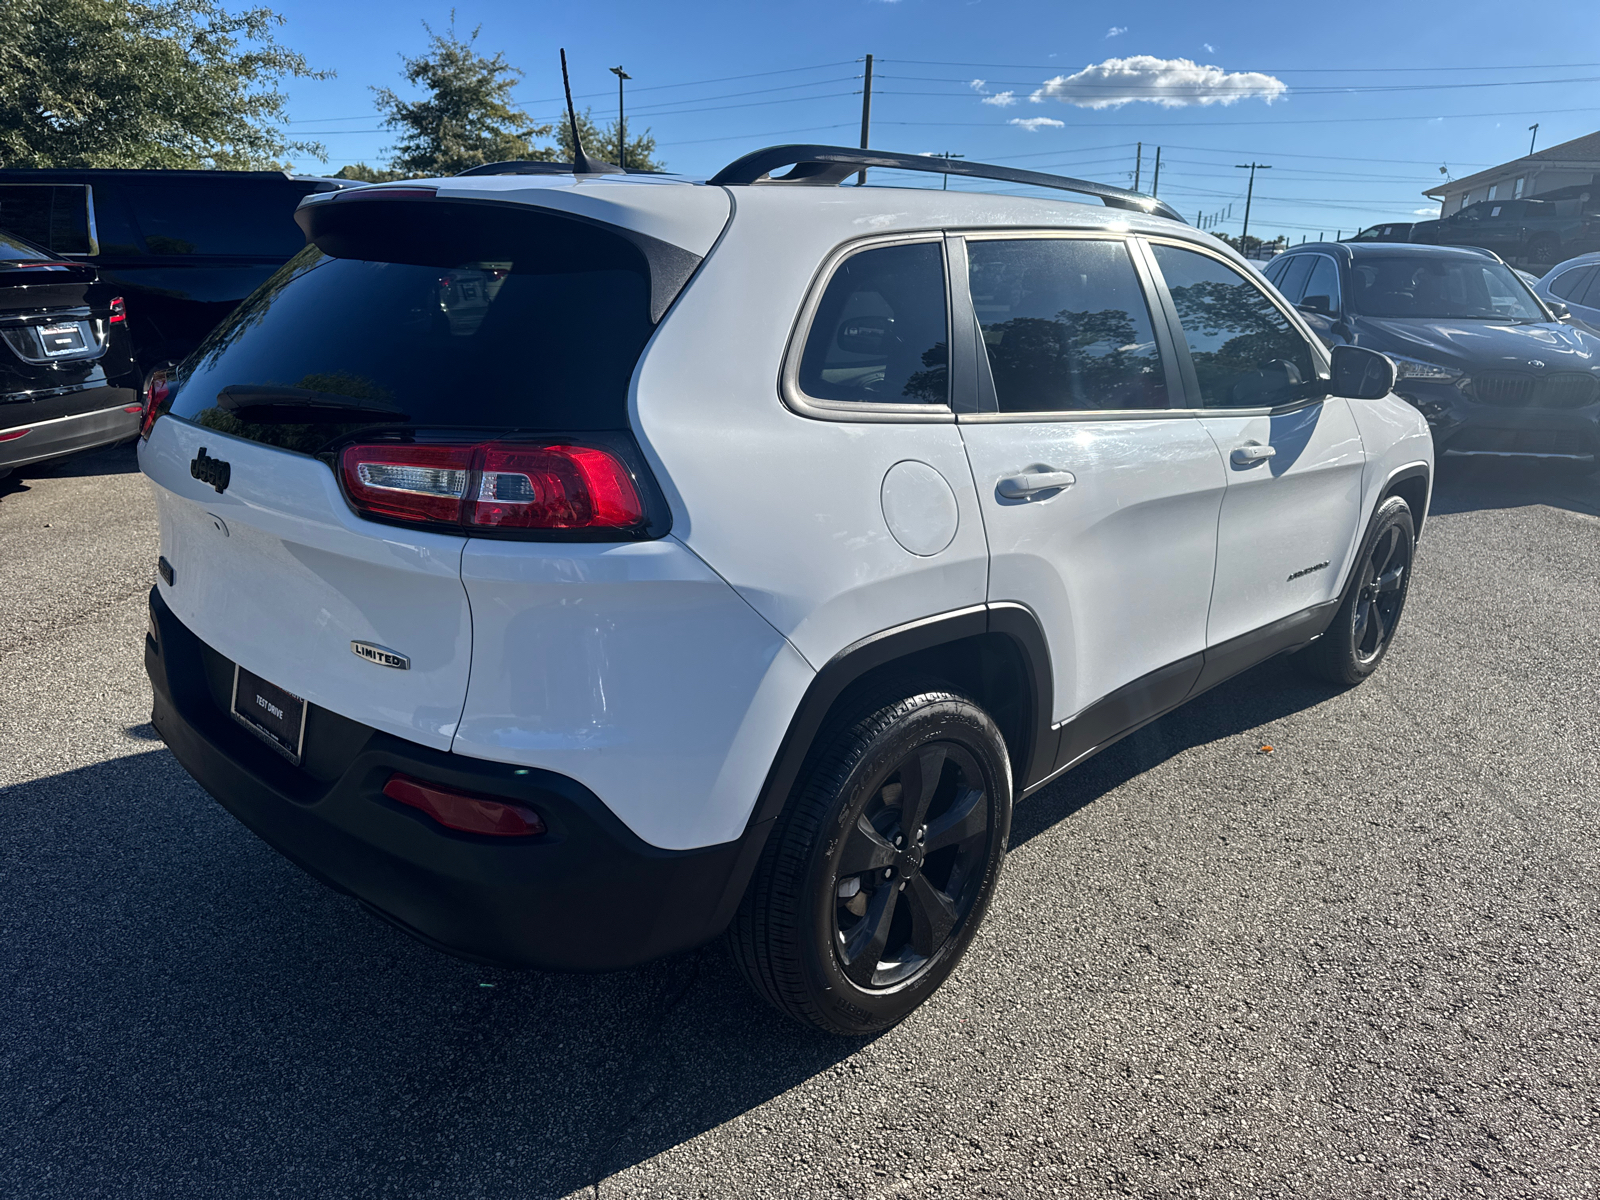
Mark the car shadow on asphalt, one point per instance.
(189, 1013)
(1265, 693)
(113, 460)
(1472, 485)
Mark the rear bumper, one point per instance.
(24, 441)
(588, 895)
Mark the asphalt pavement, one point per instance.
(1362, 965)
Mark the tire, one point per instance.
(1544, 249)
(1363, 629)
(856, 961)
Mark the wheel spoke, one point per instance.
(1363, 618)
(919, 778)
(933, 915)
(863, 947)
(1389, 581)
(866, 850)
(1380, 626)
(968, 818)
(1384, 550)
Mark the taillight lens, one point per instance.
(156, 393)
(119, 311)
(497, 485)
(463, 810)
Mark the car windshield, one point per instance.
(1440, 288)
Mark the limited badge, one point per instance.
(381, 655)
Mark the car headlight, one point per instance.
(1413, 368)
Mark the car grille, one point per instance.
(1522, 441)
(1513, 389)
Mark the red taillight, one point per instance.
(119, 311)
(463, 810)
(155, 395)
(499, 485)
(12, 435)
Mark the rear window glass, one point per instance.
(240, 218)
(879, 335)
(14, 249)
(1065, 325)
(53, 215)
(533, 323)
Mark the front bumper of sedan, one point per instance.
(1463, 428)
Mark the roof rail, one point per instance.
(518, 167)
(827, 166)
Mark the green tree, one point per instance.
(365, 174)
(600, 142)
(144, 83)
(467, 118)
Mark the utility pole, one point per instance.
(622, 124)
(1138, 164)
(1155, 183)
(1252, 167)
(1533, 129)
(947, 156)
(866, 118)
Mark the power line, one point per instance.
(1154, 91)
(922, 62)
(1532, 112)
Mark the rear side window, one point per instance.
(523, 321)
(226, 217)
(1570, 286)
(53, 215)
(1293, 283)
(1245, 352)
(1065, 325)
(880, 334)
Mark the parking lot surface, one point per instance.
(1361, 965)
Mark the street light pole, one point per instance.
(1249, 195)
(866, 117)
(622, 124)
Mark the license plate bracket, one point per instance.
(274, 714)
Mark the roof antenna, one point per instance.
(582, 164)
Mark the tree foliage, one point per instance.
(467, 117)
(600, 142)
(144, 83)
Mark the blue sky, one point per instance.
(1355, 106)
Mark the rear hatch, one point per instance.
(322, 459)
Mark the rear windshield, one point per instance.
(1449, 288)
(531, 323)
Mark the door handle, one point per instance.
(1248, 456)
(1018, 487)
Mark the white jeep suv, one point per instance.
(577, 568)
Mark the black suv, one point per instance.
(1539, 231)
(67, 376)
(181, 247)
(1483, 358)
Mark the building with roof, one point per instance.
(1571, 165)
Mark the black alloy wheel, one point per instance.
(908, 872)
(1363, 629)
(1380, 593)
(876, 876)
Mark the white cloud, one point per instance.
(1169, 82)
(1034, 124)
(979, 85)
(1116, 31)
(1427, 212)
(1001, 99)
(1209, 48)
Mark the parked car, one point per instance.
(1488, 363)
(67, 376)
(1393, 231)
(578, 568)
(1575, 283)
(182, 247)
(1530, 231)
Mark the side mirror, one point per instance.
(1361, 374)
(1557, 309)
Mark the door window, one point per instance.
(1245, 352)
(1065, 325)
(1294, 278)
(880, 332)
(1322, 288)
(227, 217)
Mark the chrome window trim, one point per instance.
(789, 390)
